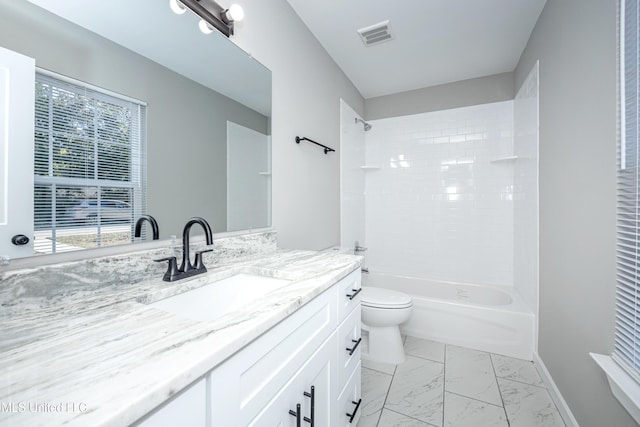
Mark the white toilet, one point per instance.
(383, 310)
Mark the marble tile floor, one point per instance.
(449, 386)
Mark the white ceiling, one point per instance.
(435, 41)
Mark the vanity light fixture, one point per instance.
(177, 7)
(213, 16)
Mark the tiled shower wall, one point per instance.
(352, 156)
(439, 195)
(525, 214)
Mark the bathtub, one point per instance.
(481, 317)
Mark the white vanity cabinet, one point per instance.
(349, 339)
(263, 384)
(245, 384)
(317, 346)
(297, 399)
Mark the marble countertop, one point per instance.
(99, 356)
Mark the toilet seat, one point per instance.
(384, 298)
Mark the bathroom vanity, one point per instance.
(103, 354)
(263, 384)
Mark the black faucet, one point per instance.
(154, 226)
(187, 269)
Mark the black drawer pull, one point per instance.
(312, 395)
(355, 292)
(296, 414)
(351, 350)
(355, 411)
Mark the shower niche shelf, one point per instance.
(369, 167)
(504, 159)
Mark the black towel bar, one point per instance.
(326, 149)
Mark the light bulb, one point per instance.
(235, 13)
(177, 7)
(205, 27)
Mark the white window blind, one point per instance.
(89, 165)
(627, 339)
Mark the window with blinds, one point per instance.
(627, 339)
(89, 165)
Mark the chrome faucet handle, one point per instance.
(199, 264)
(357, 248)
(172, 269)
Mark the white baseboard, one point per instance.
(561, 404)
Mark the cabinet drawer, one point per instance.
(348, 294)
(348, 401)
(243, 385)
(349, 337)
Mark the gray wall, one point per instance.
(575, 41)
(307, 87)
(482, 90)
(186, 121)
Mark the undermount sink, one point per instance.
(212, 301)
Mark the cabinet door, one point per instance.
(319, 372)
(247, 382)
(276, 412)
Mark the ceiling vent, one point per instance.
(375, 34)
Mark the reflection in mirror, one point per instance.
(89, 163)
(248, 178)
(207, 147)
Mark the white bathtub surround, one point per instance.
(438, 207)
(451, 198)
(352, 184)
(525, 204)
(97, 344)
(467, 391)
(488, 318)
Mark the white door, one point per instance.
(17, 91)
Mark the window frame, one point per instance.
(137, 161)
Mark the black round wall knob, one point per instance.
(19, 240)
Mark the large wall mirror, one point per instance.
(200, 105)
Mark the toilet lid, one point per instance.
(384, 298)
